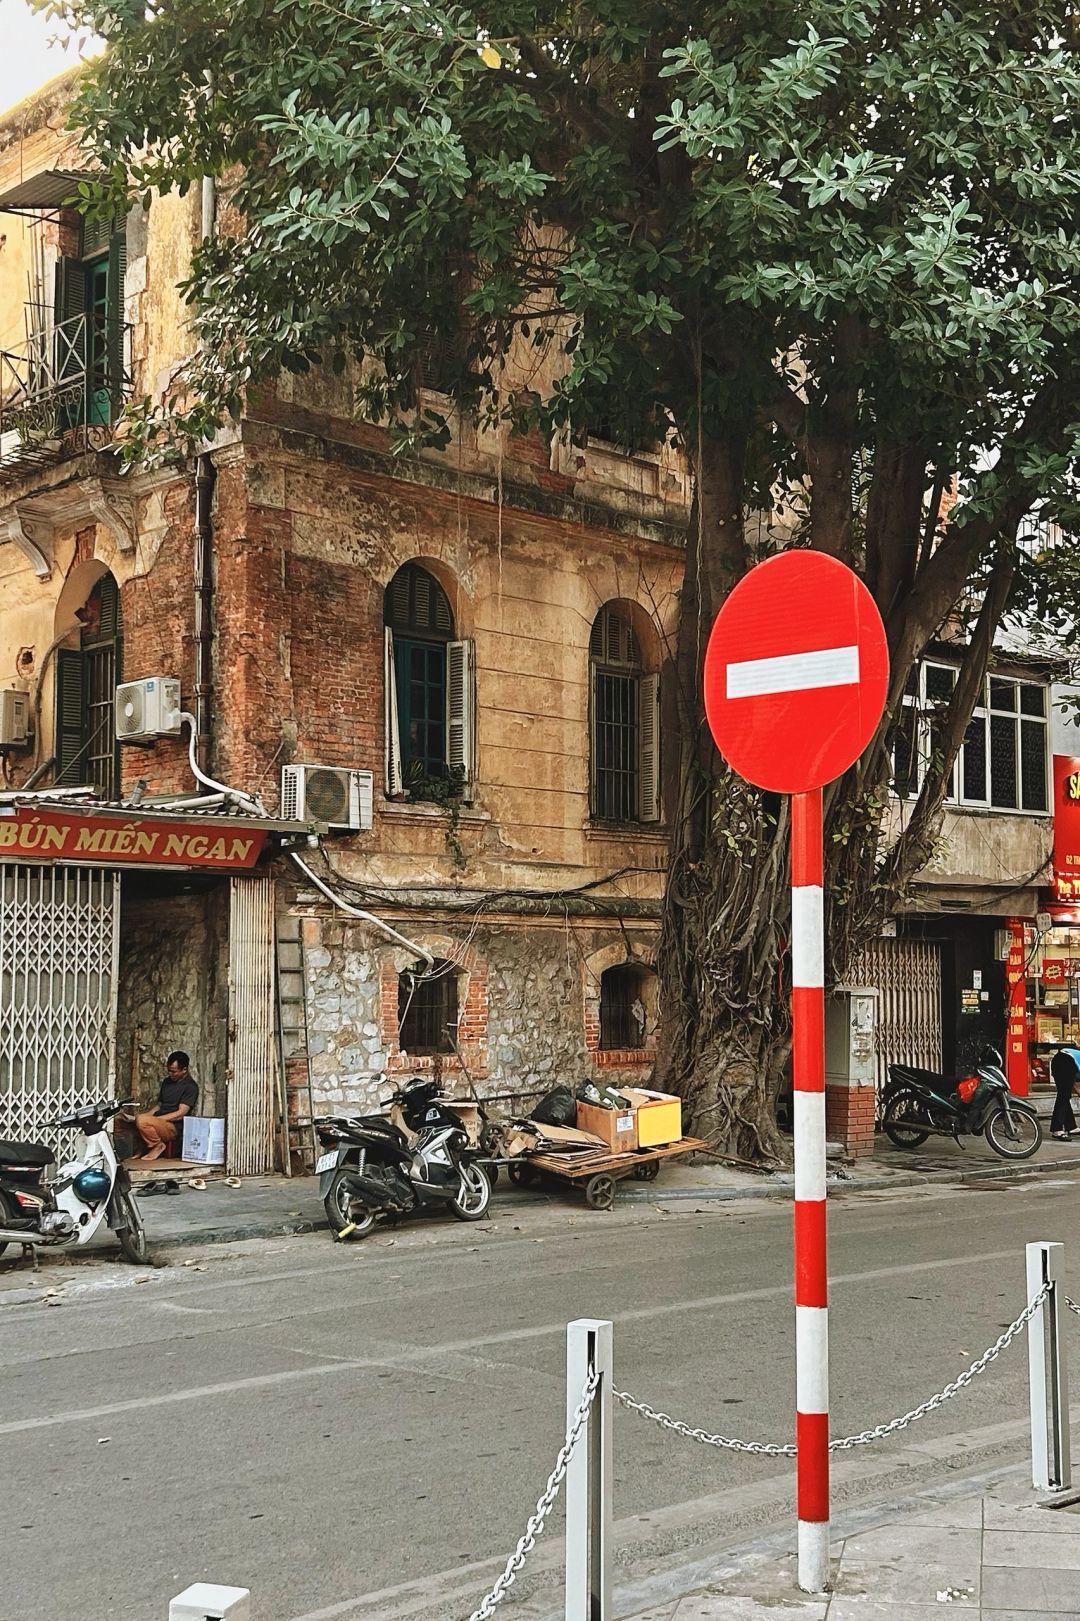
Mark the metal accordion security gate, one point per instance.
(252, 1062)
(59, 947)
(907, 974)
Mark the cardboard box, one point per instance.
(616, 1128)
(659, 1117)
(204, 1139)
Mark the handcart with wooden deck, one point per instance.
(595, 1174)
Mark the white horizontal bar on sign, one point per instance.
(794, 672)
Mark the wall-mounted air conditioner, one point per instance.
(148, 709)
(14, 719)
(331, 794)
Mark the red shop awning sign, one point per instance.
(223, 845)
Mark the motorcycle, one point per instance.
(919, 1103)
(65, 1210)
(413, 1158)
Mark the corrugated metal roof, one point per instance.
(52, 188)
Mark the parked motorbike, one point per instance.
(413, 1158)
(65, 1210)
(919, 1103)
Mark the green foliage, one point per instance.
(826, 227)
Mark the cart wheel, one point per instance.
(600, 1192)
(520, 1173)
(648, 1172)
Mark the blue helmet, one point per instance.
(93, 1185)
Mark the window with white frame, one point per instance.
(1003, 762)
(429, 688)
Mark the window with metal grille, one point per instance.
(86, 680)
(428, 1010)
(1003, 761)
(429, 686)
(625, 723)
(625, 992)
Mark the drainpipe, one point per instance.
(204, 549)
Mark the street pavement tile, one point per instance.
(1048, 1549)
(1026, 1615)
(1029, 1517)
(725, 1607)
(890, 1564)
(659, 1612)
(857, 1609)
(963, 1515)
(1030, 1591)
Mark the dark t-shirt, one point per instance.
(174, 1092)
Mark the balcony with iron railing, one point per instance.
(62, 391)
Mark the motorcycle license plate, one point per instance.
(326, 1162)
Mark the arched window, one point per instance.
(429, 687)
(86, 680)
(627, 1007)
(428, 1010)
(625, 723)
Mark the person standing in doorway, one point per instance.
(1065, 1069)
(161, 1129)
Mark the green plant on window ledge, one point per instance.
(445, 788)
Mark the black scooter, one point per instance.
(415, 1157)
(919, 1103)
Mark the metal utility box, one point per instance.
(850, 1036)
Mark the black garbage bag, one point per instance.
(556, 1108)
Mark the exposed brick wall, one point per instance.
(157, 622)
(849, 1118)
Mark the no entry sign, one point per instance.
(796, 672)
(796, 675)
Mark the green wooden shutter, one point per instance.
(70, 717)
(71, 334)
(115, 317)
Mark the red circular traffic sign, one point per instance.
(796, 672)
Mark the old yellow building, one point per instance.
(451, 664)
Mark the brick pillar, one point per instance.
(849, 1118)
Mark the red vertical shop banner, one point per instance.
(1017, 1064)
(1066, 864)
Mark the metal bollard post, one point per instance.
(589, 1475)
(206, 1601)
(1051, 1469)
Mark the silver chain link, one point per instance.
(527, 1542)
(770, 1449)
(1072, 1305)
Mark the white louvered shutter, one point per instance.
(649, 748)
(393, 734)
(460, 709)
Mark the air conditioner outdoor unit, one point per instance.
(148, 709)
(330, 794)
(14, 719)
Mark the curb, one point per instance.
(781, 1188)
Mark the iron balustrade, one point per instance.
(62, 390)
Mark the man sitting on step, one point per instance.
(161, 1129)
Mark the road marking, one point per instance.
(510, 1336)
(793, 672)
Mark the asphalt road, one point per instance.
(361, 1432)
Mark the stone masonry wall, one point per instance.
(521, 1001)
(173, 992)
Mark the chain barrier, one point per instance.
(771, 1449)
(537, 1520)
(1072, 1305)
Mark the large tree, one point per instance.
(832, 244)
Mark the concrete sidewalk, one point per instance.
(998, 1556)
(270, 1206)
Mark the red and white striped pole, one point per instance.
(811, 1261)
